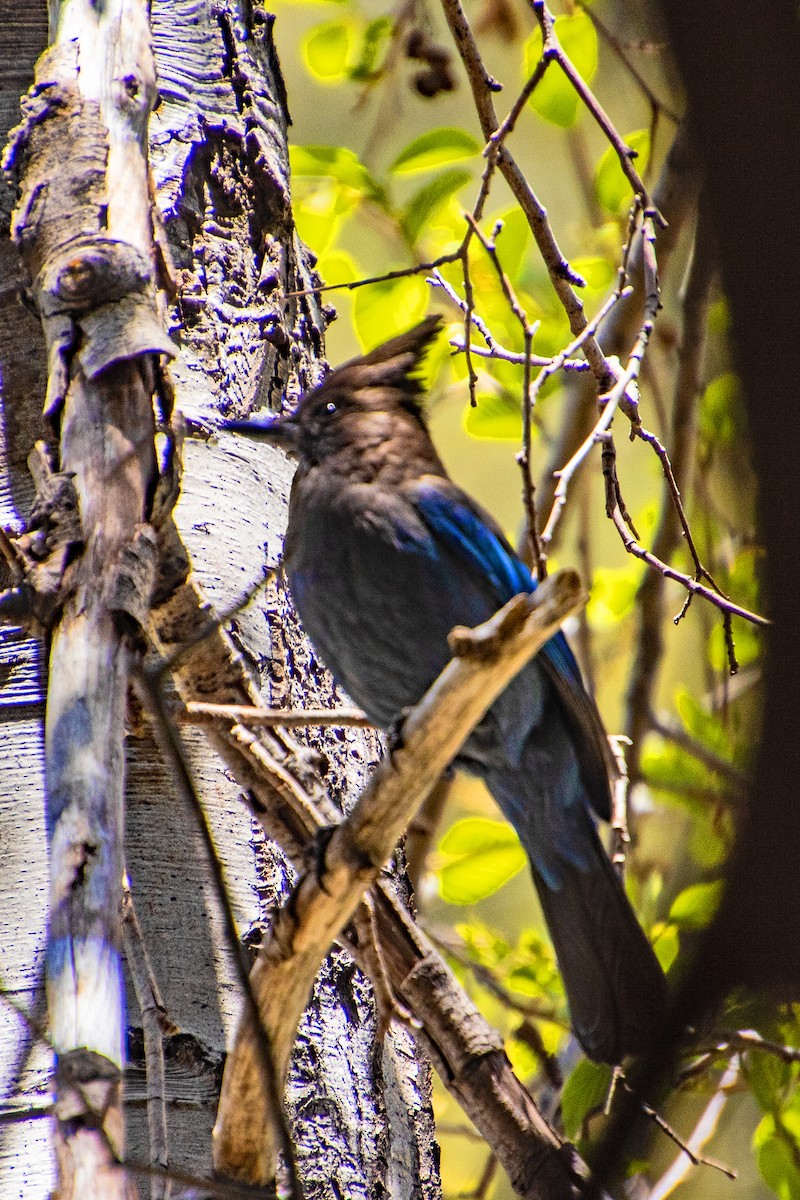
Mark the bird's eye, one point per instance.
(330, 408)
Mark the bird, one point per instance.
(384, 554)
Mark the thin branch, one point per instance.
(269, 1085)
(692, 1155)
(198, 713)
(692, 586)
(620, 836)
(152, 1010)
(738, 780)
(747, 1040)
(675, 195)
(524, 457)
(656, 104)
(562, 277)
(554, 50)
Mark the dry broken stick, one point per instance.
(352, 855)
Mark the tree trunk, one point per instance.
(359, 1107)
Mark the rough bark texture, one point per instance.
(360, 1114)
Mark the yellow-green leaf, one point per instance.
(611, 184)
(426, 203)
(335, 162)
(695, 906)
(496, 417)
(381, 310)
(434, 149)
(555, 98)
(484, 855)
(326, 48)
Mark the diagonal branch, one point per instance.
(324, 899)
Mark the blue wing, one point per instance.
(474, 536)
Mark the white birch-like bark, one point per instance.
(361, 1117)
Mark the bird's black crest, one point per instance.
(393, 364)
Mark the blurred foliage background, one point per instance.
(386, 158)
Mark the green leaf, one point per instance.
(339, 164)
(611, 184)
(326, 48)
(585, 1090)
(496, 417)
(513, 239)
(722, 415)
(374, 43)
(695, 906)
(598, 272)
(485, 854)
(320, 210)
(555, 98)
(665, 944)
(435, 149)
(381, 310)
(612, 595)
(426, 203)
(776, 1157)
(768, 1078)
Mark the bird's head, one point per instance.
(356, 402)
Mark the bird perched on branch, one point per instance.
(384, 555)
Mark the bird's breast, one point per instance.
(375, 593)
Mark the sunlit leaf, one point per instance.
(337, 266)
(555, 98)
(585, 1090)
(427, 202)
(768, 1078)
(381, 310)
(436, 148)
(666, 944)
(320, 212)
(375, 40)
(777, 1160)
(611, 184)
(335, 162)
(695, 906)
(485, 855)
(612, 595)
(599, 272)
(325, 50)
(496, 416)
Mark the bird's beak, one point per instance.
(281, 430)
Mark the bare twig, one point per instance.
(198, 713)
(656, 104)
(563, 278)
(152, 1009)
(619, 807)
(687, 1148)
(269, 1085)
(553, 50)
(524, 457)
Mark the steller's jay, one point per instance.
(384, 554)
